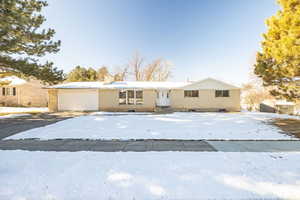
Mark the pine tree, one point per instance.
(91, 74)
(82, 74)
(279, 62)
(22, 41)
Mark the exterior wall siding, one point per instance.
(53, 100)
(206, 101)
(28, 94)
(109, 101)
(286, 109)
(32, 95)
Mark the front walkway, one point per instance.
(70, 145)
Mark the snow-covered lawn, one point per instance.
(151, 175)
(22, 109)
(168, 126)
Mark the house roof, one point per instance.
(206, 84)
(284, 103)
(14, 80)
(210, 83)
(120, 85)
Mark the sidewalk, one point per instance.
(72, 145)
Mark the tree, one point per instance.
(121, 73)
(79, 74)
(279, 62)
(103, 74)
(91, 74)
(82, 74)
(137, 67)
(254, 94)
(22, 41)
(157, 70)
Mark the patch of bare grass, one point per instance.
(291, 126)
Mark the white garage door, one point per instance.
(78, 100)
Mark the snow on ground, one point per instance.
(168, 126)
(22, 109)
(152, 175)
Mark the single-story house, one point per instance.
(205, 95)
(21, 92)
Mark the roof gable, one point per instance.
(210, 83)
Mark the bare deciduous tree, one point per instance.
(157, 70)
(120, 73)
(253, 96)
(136, 64)
(103, 73)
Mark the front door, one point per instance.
(162, 97)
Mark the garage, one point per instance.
(78, 99)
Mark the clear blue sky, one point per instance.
(202, 38)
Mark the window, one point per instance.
(9, 91)
(122, 97)
(191, 93)
(139, 97)
(222, 93)
(131, 97)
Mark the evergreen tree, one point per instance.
(279, 62)
(91, 74)
(82, 74)
(22, 41)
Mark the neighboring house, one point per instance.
(205, 95)
(279, 106)
(19, 92)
